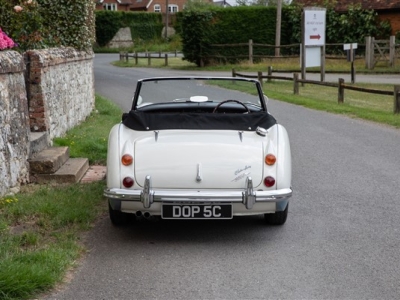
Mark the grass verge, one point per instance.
(371, 107)
(283, 64)
(41, 227)
(40, 235)
(90, 138)
(367, 106)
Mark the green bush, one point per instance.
(143, 25)
(200, 29)
(37, 24)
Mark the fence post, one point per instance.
(233, 73)
(120, 56)
(296, 83)
(269, 73)
(166, 59)
(126, 57)
(368, 41)
(149, 60)
(159, 54)
(341, 91)
(251, 52)
(392, 50)
(396, 109)
(259, 75)
(136, 58)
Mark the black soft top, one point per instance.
(143, 121)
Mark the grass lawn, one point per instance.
(41, 227)
(277, 64)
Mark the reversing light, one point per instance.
(126, 159)
(270, 159)
(269, 181)
(128, 182)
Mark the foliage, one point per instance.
(37, 24)
(350, 27)
(233, 25)
(71, 23)
(143, 25)
(198, 5)
(194, 35)
(200, 29)
(5, 41)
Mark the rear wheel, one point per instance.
(277, 218)
(118, 218)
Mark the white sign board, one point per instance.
(313, 57)
(314, 27)
(350, 46)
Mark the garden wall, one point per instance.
(60, 88)
(47, 91)
(14, 123)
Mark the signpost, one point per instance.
(350, 49)
(313, 39)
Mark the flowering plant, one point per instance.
(27, 25)
(5, 41)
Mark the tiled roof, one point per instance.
(136, 3)
(342, 5)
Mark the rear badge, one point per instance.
(241, 173)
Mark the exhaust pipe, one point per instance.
(138, 213)
(147, 215)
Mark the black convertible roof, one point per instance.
(143, 121)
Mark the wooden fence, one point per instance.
(341, 86)
(375, 50)
(124, 56)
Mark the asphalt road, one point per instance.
(341, 240)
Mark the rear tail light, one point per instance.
(126, 159)
(128, 182)
(269, 181)
(270, 159)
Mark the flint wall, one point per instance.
(49, 91)
(14, 123)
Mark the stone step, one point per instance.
(70, 172)
(38, 141)
(49, 160)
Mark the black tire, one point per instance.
(277, 218)
(118, 218)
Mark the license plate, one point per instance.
(196, 211)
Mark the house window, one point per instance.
(110, 6)
(173, 8)
(157, 8)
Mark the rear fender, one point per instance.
(284, 160)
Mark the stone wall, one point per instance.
(60, 85)
(50, 91)
(14, 123)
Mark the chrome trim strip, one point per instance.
(247, 196)
(198, 177)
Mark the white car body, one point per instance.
(197, 173)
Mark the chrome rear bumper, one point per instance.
(247, 196)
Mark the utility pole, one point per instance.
(278, 28)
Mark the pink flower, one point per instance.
(17, 8)
(5, 41)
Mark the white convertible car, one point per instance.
(198, 148)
